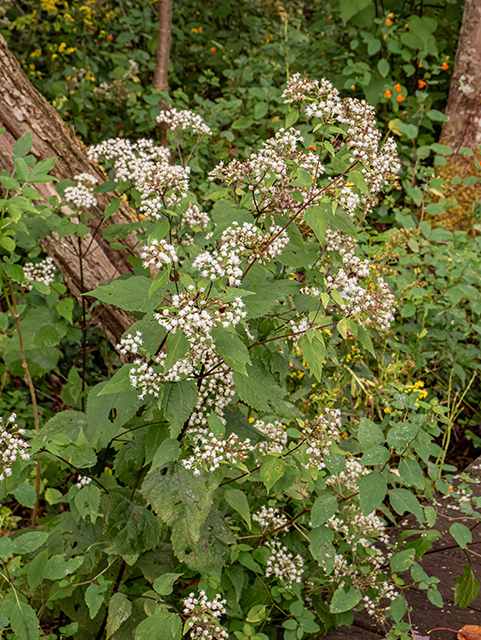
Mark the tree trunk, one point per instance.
(161, 73)
(463, 128)
(23, 109)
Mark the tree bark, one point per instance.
(23, 109)
(463, 127)
(161, 72)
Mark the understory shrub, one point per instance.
(218, 484)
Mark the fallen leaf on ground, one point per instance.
(470, 632)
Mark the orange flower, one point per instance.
(421, 84)
(389, 22)
(400, 98)
(445, 66)
(214, 49)
(200, 30)
(387, 93)
(110, 38)
(312, 148)
(391, 15)
(420, 63)
(352, 87)
(384, 37)
(329, 19)
(406, 26)
(397, 87)
(447, 57)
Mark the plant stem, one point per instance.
(33, 519)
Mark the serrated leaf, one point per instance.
(317, 218)
(356, 177)
(160, 626)
(29, 541)
(232, 349)
(87, 501)
(314, 352)
(238, 501)
(130, 294)
(178, 402)
(369, 434)
(120, 609)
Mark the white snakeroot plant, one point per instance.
(273, 277)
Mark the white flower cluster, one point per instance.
(130, 344)
(300, 324)
(210, 452)
(183, 121)
(374, 306)
(12, 446)
(195, 217)
(43, 271)
(158, 253)
(283, 565)
(271, 518)
(321, 433)
(348, 479)
(236, 242)
(351, 523)
(83, 481)
(161, 185)
(215, 393)
(81, 195)
(203, 617)
(196, 315)
(268, 173)
(379, 165)
(277, 434)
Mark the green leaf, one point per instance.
(36, 569)
(437, 116)
(178, 402)
(9, 182)
(402, 560)
(238, 501)
(314, 352)
(409, 130)
(107, 413)
(29, 541)
(58, 567)
(345, 599)
(375, 456)
(112, 208)
(232, 349)
(369, 434)
(23, 145)
(94, 596)
(22, 169)
(435, 597)
(120, 609)
(65, 308)
(24, 621)
(356, 177)
(169, 451)
(25, 494)
(130, 294)
(291, 118)
(323, 508)
(133, 528)
(403, 500)
(6, 547)
(398, 608)
(317, 218)
(160, 626)
(461, 534)
(365, 339)
(467, 588)
(320, 545)
(87, 501)
(177, 346)
(411, 473)
(350, 8)
(272, 469)
(164, 584)
(383, 67)
(372, 490)
(260, 110)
